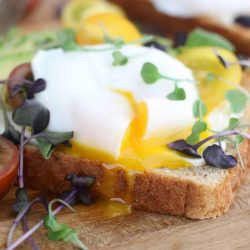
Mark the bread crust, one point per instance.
(150, 191)
(143, 11)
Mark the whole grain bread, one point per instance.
(143, 12)
(194, 192)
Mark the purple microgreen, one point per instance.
(157, 45)
(26, 235)
(178, 94)
(157, 42)
(61, 232)
(199, 109)
(32, 114)
(243, 20)
(215, 156)
(119, 58)
(179, 39)
(237, 99)
(82, 184)
(21, 200)
(37, 86)
(191, 150)
(26, 86)
(185, 148)
(198, 127)
(22, 211)
(224, 63)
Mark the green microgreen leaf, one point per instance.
(119, 58)
(32, 114)
(200, 37)
(61, 232)
(197, 129)
(238, 100)
(239, 139)
(150, 73)
(48, 140)
(199, 108)
(233, 123)
(178, 94)
(45, 147)
(56, 138)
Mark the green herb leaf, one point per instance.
(178, 94)
(239, 139)
(32, 114)
(61, 232)
(199, 109)
(56, 138)
(238, 100)
(197, 129)
(119, 58)
(21, 200)
(233, 123)
(48, 140)
(45, 147)
(150, 73)
(200, 37)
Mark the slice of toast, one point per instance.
(194, 192)
(143, 12)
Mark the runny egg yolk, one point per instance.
(139, 155)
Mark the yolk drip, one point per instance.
(137, 154)
(140, 155)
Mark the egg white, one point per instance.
(80, 94)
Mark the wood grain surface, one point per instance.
(139, 230)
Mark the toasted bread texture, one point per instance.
(144, 12)
(194, 192)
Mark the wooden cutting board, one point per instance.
(138, 230)
(141, 230)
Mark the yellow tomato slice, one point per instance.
(76, 11)
(94, 29)
(204, 64)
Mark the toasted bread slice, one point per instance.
(144, 12)
(194, 192)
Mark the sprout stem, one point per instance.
(68, 199)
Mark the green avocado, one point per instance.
(16, 48)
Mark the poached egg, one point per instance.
(116, 117)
